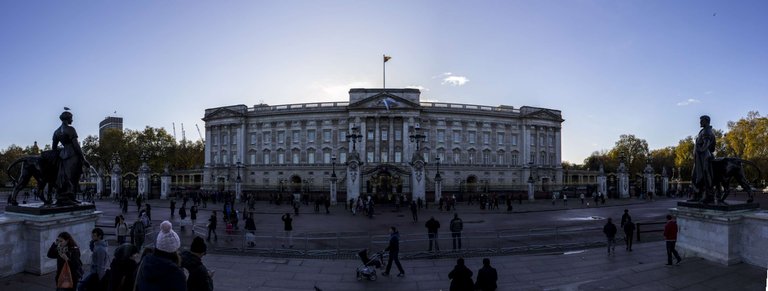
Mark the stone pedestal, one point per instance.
(723, 234)
(165, 186)
(438, 188)
(531, 191)
(334, 191)
(27, 237)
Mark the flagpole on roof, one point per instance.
(386, 58)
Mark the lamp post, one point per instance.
(438, 181)
(238, 182)
(417, 137)
(333, 180)
(354, 136)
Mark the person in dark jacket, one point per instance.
(161, 269)
(629, 232)
(200, 278)
(96, 280)
(212, 227)
(394, 250)
(432, 226)
(66, 251)
(461, 277)
(123, 268)
(610, 234)
(486, 277)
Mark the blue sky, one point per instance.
(647, 68)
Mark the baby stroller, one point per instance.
(368, 269)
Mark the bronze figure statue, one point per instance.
(703, 150)
(71, 160)
(712, 176)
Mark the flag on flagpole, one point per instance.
(386, 58)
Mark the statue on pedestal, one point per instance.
(58, 169)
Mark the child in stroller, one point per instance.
(368, 269)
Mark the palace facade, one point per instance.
(297, 148)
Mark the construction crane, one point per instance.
(183, 133)
(200, 134)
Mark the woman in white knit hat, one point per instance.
(161, 269)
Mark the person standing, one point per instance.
(183, 215)
(610, 234)
(212, 221)
(581, 196)
(66, 251)
(457, 225)
(554, 199)
(124, 203)
(121, 229)
(160, 270)
(565, 199)
(99, 262)
(138, 231)
(123, 268)
(629, 231)
(432, 226)
(173, 207)
(461, 277)
(394, 250)
(414, 211)
(486, 277)
(625, 217)
(200, 278)
(193, 216)
(288, 228)
(670, 235)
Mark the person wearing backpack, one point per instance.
(457, 225)
(138, 231)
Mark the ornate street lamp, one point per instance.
(354, 136)
(417, 137)
(333, 167)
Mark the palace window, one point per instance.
(500, 138)
(384, 135)
(295, 136)
(456, 136)
(513, 160)
(311, 135)
(342, 135)
(295, 157)
(369, 157)
(311, 156)
(500, 158)
(472, 137)
(234, 138)
(398, 157)
(281, 137)
(486, 157)
(440, 135)
(343, 157)
(253, 138)
(370, 134)
(327, 156)
(266, 137)
(326, 135)
(384, 157)
(456, 157)
(533, 139)
(398, 134)
(253, 158)
(266, 157)
(280, 157)
(514, 140)
(486, 137)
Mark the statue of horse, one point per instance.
(43, 168)
(726, 169)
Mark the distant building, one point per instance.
(294, 147)
(110, 122)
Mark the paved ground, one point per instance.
(582, 269)
(591, 269)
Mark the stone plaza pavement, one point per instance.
(590, 269)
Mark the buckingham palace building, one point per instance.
(382, 142)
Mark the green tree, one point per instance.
(663, 158)
(8, 156)
(635, 151)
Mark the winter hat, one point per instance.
(167, 239)
(198, 245)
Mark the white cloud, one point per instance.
(688, 102)
(455, 80)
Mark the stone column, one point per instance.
(334, 195)
(165, 183)
(353, 176)
(601, 181)
(664, 181)
(531, 189)
(418, 179)
(623, 179)
(117, 175)
(650, 185)
(144, 177)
